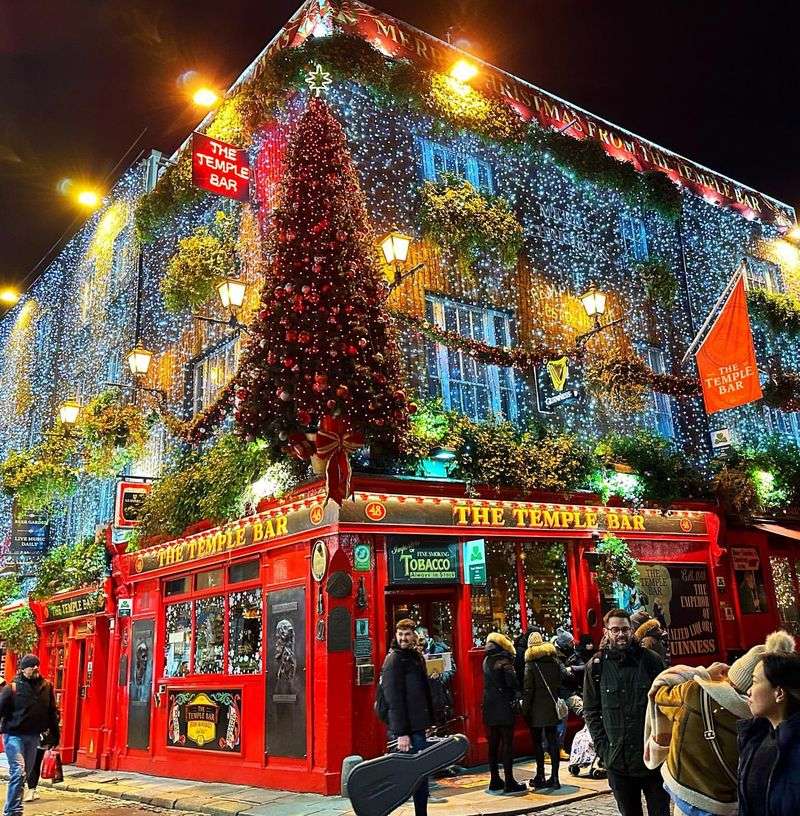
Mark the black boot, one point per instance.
(495, 784)
(553, 782)
(538, 782)
(512, 786)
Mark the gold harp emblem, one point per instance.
(558, 371)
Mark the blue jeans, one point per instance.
(421, 793)
(685, 807)
(21, 754)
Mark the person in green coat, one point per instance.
(615, 699)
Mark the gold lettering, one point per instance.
(638, 522)
(536, 517)
(612, 521)
(192, 545)
(497, 517)
(460, 511)
(625, 522)
(240, 533)
(552, 110)
(519, 515)
(387, 31)
(281, 525)
(258, 531)
(591, 519)
(422, 48)
(480, 515)
(161, 556)
(567, 518)
(551, 518)
(269, 530)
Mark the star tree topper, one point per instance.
(318, 80)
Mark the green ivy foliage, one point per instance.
(777, 311)
(71, 566)
(665, 475)
(467, 223)
(660, 282)
(616, 565)
(202, 259)
(209, 484)
(18, 631)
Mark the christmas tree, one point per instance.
(322, 373)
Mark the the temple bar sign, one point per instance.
(220, 168)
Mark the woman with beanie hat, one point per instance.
(500, 692)
(769, 745)
(543, 677)
(692, 725)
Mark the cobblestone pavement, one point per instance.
(597, 806)
(64, 803)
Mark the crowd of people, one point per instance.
(721, 740)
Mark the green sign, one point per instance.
(362, 558)
(475, 562)
(88, 603)
(429, 563)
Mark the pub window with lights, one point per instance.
(212, 372)
(438, 159)
(213, 622)
(465, 384)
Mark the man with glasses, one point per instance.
(616, 685)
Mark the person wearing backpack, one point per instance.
(404, 700)
(27, 710)
(615, 701)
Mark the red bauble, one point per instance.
(291, 336)
(363, 342)
(351, 351)
(343, 392)
(288, 362)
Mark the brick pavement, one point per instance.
(55, 802)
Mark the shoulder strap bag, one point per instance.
(711, 735)
(562, 709)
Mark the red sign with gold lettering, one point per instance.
(220, 168)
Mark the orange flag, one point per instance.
(726, 359)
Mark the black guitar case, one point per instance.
(379, 786)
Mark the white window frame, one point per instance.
(634, 237)
(204, 391)
(662, 403)
(476, 171)
(438, 304)
(760, 274)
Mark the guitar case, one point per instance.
(379, 786)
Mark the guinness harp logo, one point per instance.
(558, 371)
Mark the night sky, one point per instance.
(714, 80)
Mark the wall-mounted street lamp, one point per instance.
(594, 304)
(68, 413)
(394, 246)
(231, 294)
(139, 359)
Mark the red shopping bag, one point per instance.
(51, 766)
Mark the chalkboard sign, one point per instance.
(209, 720)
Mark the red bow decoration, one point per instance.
(300, 446)
(335, 443)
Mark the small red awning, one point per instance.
(776, 529)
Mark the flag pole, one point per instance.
(729, 287)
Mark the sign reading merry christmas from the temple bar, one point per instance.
(220, 168)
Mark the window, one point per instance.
(545, 569)
(246, 571)
(783, 423)
(179, 640)
(784, 577)
(662, 404)
(438, 159)
(465, 384)
(212, 372)
(762, 275)
(244, 637)
(114, 366)
(179, 586)
(208, 580)
(496, 606)
(209, 640)
(218, 627)
(634, 238)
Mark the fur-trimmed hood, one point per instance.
(722, 692)
(647, 628)
(540, 651)
(502, 641)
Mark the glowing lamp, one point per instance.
(205, 98)
(594, 302)
(231, 292)
(463, 71)
(88, 199)
(9, 297)
(395, 246)
(139, 360)
(442, 453)
(68, 412)
(794, 233)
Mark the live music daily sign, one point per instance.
(220, 168)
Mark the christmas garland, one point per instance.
(616, 566)
(660, 283)
(523, 358)
(779, 312)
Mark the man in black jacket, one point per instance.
(616, 685)
(408, 695)
(27, 710)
